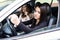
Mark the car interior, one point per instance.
(7, 29)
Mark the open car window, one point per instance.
(11, 32)
(5, 3)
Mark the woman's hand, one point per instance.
(14, 19)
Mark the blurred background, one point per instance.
(4, 3)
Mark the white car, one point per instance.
(10, 6)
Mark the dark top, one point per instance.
(22, 26)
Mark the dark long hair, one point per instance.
(48, 8)
(43, 16)
(43, 13)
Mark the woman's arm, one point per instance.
(15, 20)
(22, 27)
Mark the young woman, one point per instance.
(38, 21)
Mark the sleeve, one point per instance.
(41, 25)
(22, 27)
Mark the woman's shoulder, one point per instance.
(44, 24)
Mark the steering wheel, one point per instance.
(13, 30)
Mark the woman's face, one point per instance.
(37, 13)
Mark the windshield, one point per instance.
(5, 3)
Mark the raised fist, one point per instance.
(14, 19)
